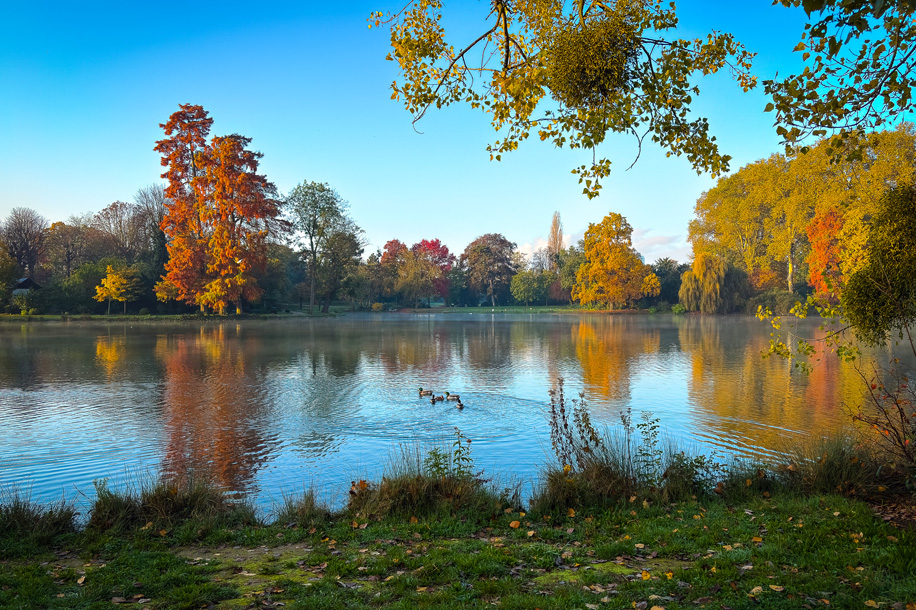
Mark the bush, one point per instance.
(378, 307)
(144, 311)
(678, 309)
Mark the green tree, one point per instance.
(608, 67)
(339, 262)
(490, 265)
(859, 60)
(530, 285)
(417, 276)
(316, 212)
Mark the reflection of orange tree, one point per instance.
(211, 412)
(606, 348)
(734, 386)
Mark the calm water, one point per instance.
(272, 406)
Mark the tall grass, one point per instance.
(428, 482)
(166, 503)
(25, 524)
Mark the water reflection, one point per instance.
(265, 406)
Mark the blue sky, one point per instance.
(83, 90)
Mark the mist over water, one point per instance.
(269, 407)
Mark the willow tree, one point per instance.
(598, 67)
(711, 285)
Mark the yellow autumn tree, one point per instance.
(612, 275)
(119, 285)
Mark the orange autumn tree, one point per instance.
(824, 260)
(241, 210)
(184, 225)
(612, 275)
(219, 215)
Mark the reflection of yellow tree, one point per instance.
(109, 352)
(212, 412)
(737, 390)
(605, 349)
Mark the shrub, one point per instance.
(144, 311)
(678, 309)
(378, 307)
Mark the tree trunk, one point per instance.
(125, 307)
(791, 273)
(109, 307)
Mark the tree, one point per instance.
(241, 211)
(67, 245)
(530, 285)
(669, 273)
(417, 276)
(880, 297)
(123, 223)
(152, 203)
(711, 285)
(554, 241)
(860, 56)
(24, 233)
(608, 67)
(218, 215)
(316, 212)
(612, 275)
(490, 264)
(437, 253)
(339, 261)
(184, 222)
(121, 285)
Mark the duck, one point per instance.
(452, 397)
(425, 392)
(440, 398)
(459, 406)
(432, 400)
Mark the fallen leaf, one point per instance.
(639, 545)
(571, 513)
(756, 591)
(530, 533)
(147, 526)
(364, 525)
(756, 539)
(81, 580)
(777, 588)
(118, 600)
(670, 575)
(163, 533)
(657, 608)
(570, 530)
(871, 603)
(421, 589)
(646, 575)
(514, 524)
(413, 519)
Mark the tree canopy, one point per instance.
(569, 73)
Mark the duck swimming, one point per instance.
(459, 406)
(425, 392)
(452, 397)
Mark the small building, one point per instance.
(24, 285)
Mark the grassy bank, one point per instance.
(608, 532)
(778, 552)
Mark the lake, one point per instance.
(272, 406)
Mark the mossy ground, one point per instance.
(788, 551)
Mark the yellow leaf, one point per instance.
(777, 588)
(413, 519)
(163, 532)
(421, 589)
(871, 603)
(670, 575)
(756, 591)
(639, 546)
(646, 575)
(148, 525)
(571, 513)
(756, 539)
(530, 533)
(514, 524)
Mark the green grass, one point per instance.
(786, 551)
